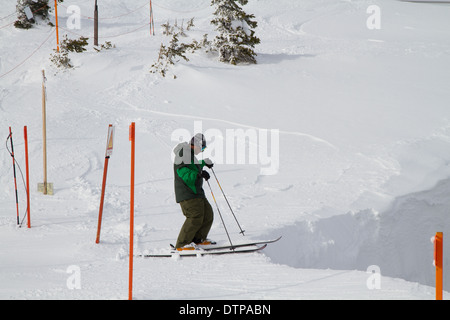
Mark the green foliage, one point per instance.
(236, 38)
(61, 59)
(108, 45)
(39, 9)
(171, 53)
(74, 45)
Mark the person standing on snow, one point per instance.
(189, 193)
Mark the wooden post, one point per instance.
(46, 187)
(25, 135)
(44, 131)
(152, 24)
(96, 24)
(56, 20)
(132, 139)
(438, 261)
(109, 148)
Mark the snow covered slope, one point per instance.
(358, 128)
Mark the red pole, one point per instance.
(109, 145)
(25, 134)
(100, 212)
(132, 139)
(14, 171)
(438, 260)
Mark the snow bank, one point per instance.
(396, 240)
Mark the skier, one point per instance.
(189, 193)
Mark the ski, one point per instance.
(214, 246)
(238, 245)
(202, 252)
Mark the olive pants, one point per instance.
(199, 218)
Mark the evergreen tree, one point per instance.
(170, 54)
(236, 36)
(61, 59)
(39, 8)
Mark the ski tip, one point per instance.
(275, 239)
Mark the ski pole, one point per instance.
(229, 206)
(223, 222)
(14, 171)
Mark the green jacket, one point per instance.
(187, 169)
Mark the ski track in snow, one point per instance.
(316, 139)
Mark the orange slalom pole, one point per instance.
(25, 135)
(56, 20)
(132, 139)
(438, 260)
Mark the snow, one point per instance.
(359, 178)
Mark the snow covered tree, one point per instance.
(236, 36)
(61, 59)
(170, 54)
(36, 8)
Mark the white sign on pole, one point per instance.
(28, 13)
(109, 144)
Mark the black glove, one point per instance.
(205, 175)
(208, 163)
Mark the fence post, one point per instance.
(46, 187)
(27, 171)
(152, 24)
(132, 139)
(44, 130)
(96, 24)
